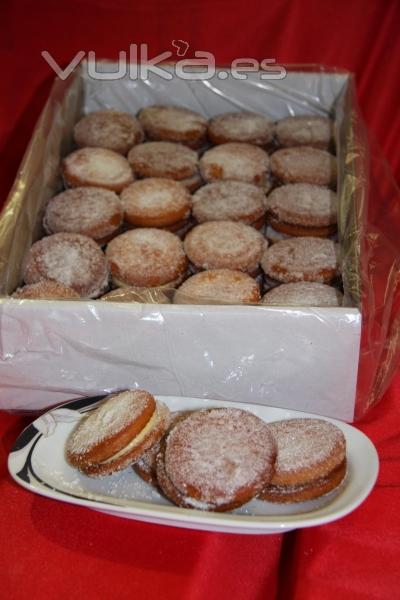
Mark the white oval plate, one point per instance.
(37, 462)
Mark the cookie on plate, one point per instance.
(310, 462)
(117, 433)
(216, 459)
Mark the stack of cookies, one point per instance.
(222, 210)
(214, 459)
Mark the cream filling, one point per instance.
(136, 440)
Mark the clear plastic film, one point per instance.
(301, 358)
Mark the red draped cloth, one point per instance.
(50, 549)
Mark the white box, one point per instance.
(52, 351)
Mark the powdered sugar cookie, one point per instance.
(230, 201)
(225, 245)
(156, 202)
(236, 161)
(174, 124)
(97, 167)
(301, 259)
(303, 209)
(220, 286)
(244, 126)
(303, 293)
(147, 258)
(307, 130)
(117, 433)
(111, 129)
(304, 165)
(216, 459)
(310, 462)
(164, 159)
(69, 258)
(90, 211)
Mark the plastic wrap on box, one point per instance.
(297, 358)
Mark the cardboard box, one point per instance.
(52, 351)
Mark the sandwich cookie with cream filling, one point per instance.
(117, 433)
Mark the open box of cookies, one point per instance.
(201, 238)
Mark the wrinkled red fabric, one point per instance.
(54, 549)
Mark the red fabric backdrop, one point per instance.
(53, 549)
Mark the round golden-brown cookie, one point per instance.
(47, 289)
(220, 286)
(91, 211)
(97, 167)
(303, 293)
(311, 459)
(174, 124)
(302, 259)
(244, 126)
(306, 130)
(147, 257)
(216, 459)
(156, 202)
(117, 433)
(303, 209)
(69, 258)
(230, 201)
(225, 245)
(164, 159)
(304, 165)
(236, 161)
(111, 129)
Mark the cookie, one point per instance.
(147, 257)
(216, 459)
(225, 245)
(156, 202)
(307, 130)
(304, 165)
(117, 433)
(302, 209)
(302, 259)
(230, 201)
(47, 289)
(97, 167)
(111, 129)
(164, 159)
(174, 124)
(220, 286)
(90, 211)
(72, 259)
(244, 126)
(304, 293)
(237, 162)
(310, 462)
